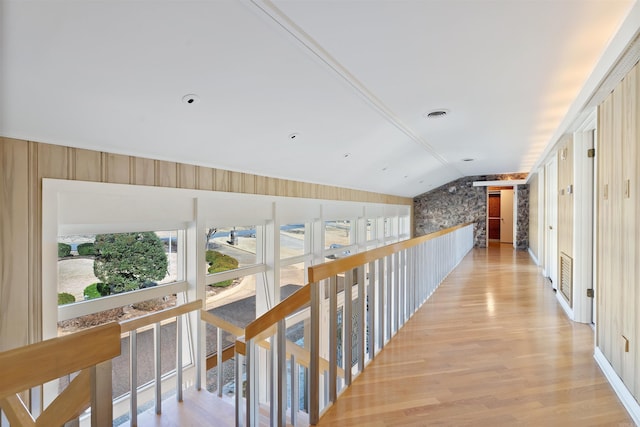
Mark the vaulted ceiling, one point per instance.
(332, 92)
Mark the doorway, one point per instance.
(500, 214)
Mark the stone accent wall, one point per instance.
(456, 203)
(522, 226)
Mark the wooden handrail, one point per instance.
(159, 316)
(35, 364)
(227, 353)
(328, 269)
(219, 322)
(323, 271)
(287, 306)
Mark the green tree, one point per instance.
(125, 261)
(64, 250)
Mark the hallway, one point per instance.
(491, 347)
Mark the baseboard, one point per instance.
(533, 257)
(627, 399)
(565, 306)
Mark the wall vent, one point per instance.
(566, 277)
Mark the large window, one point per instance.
(97, 265)
(113, 252)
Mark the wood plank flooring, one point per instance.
(492, 347)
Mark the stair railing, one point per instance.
(350, 309)
(88, 352)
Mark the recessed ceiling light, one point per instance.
(293, 136)
(191, 99)
(468, 160)
(436, 114)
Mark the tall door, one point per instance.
(551, 221)
(494, 218)
(506, 216)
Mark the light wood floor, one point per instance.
(492, 347)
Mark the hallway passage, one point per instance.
(492, 347)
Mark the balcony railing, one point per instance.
(350, 309)
(291, 363)
(87, 353)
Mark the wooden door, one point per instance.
(494, 216)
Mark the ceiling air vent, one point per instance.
(436, 114)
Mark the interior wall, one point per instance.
(618, 226)
(24, 164)
(533, 216)
(565, 197)
(456, 203)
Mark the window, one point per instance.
(292, 238)
(93, 266)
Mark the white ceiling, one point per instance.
(352, 78)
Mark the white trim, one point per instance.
(234, 274)
(82, 308)
(627, 399)
(533, 257)
(505, 183)
(565, 305)
(583, 204)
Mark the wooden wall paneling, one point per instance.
(603, 325)
(249, 183)
(282, 186)
(616, 198)
(635, 344)
(236, 182)
(187, 176)
(166, 174)
(307, 190)
(295, 189)
(261, 185)
(221, 180)
(116, 168)
(53, 161)
(143, 171)
(205, 178)
(565, 198)
(629, 277)
(14, 244)
(87, 165)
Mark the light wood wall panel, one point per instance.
(88, 165)
(205, 178)
(565, 197)
(635, 190)
(187, 176)
(166, 174)
(14, 244)
(618, 231)
(628, 252)
(24, 164)
(605, 239)
(117, 168)
(143, 171)
(221, 180)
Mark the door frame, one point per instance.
(584, 214)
